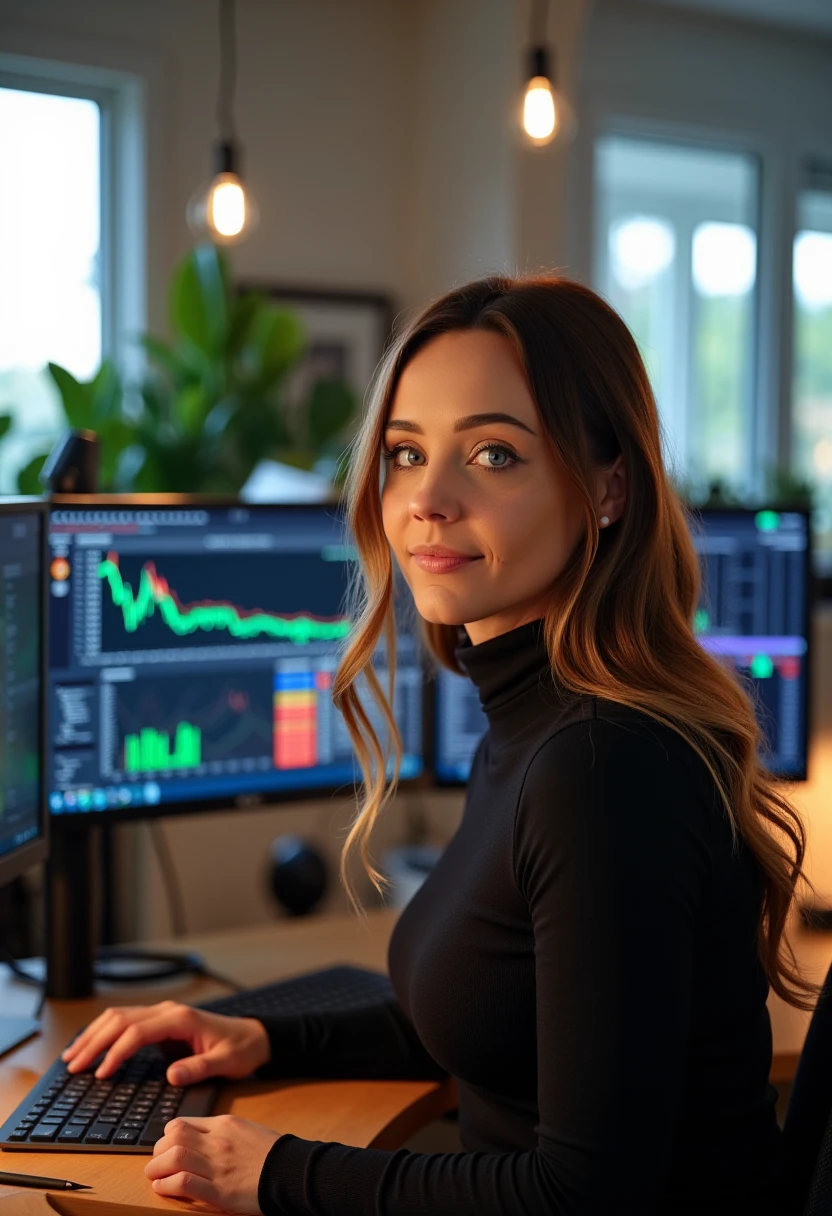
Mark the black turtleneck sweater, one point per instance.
(582, 960)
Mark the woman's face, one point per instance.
(486, 486)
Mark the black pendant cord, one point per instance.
(228, 70)
(539, 22)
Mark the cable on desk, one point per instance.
(170, 878)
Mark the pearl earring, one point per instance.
(604, 521)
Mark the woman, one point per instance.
(591, 956)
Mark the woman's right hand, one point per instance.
(220, 1046)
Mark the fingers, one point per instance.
(178, 1159)
(196, 1068)
(139, 1034)
(180, 1132)
(100, 1033)
(187, 1185)
(178, 1169)
(124, 1031)
(199, 1123)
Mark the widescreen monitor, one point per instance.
(193, 646)
(753, 615)
(23, 828)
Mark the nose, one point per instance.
(434, 497)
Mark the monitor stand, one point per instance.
(73, 961)
(16, 1030)
(70, 909)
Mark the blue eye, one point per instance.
(496, 447)
(391, 455)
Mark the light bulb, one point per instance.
(223, 211)
(540, 116)
(227, 205)
(545, 113)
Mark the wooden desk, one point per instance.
(379, 1114)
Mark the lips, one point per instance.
(441, 551)
(438, 564)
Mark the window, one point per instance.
(52, 264)
(676, 256)
(812, 368)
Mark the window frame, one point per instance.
(781, 158)
(128, 88)
(688, 228)
(106, 101)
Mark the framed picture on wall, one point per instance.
(347, 332)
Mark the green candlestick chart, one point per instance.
(150, 750)
(154, 595)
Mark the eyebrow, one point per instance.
(462, 424)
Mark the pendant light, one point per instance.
(546, 114)
(222, 210)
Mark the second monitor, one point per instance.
(753, 616)
(192, 652)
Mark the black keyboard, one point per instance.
(339, 989)
(127, 1113)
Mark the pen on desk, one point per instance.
(49, 1184)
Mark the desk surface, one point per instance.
(382, 1114)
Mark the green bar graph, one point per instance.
(150, 750)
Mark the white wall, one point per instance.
(377, 138)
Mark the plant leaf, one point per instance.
(75, 397)
(6, 421)
(105, 393)
(190, 407)
(163, 355)
(199, 300)
(278, 339)
(28, 478)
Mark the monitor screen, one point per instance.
(753, 615)
(22, 825)
(192, 652)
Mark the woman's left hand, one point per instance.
(216, 1160)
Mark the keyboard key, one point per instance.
(19, 1134)
(126, 1136)
(99, 1133)
(71, 1135)
(43, 1133)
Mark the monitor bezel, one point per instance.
(431, 714)
(267, 800)
(34, 852)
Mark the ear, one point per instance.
(612, 489)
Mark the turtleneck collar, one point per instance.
(506, 667)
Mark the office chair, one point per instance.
(806, 1145)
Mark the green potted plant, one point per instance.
(212, 403)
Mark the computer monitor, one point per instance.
(23, 829)
(753, 614)
(193, 645)
(23, 823)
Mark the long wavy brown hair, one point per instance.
(619, 624)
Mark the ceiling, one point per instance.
(810, 15)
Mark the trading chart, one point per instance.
(193, 655)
